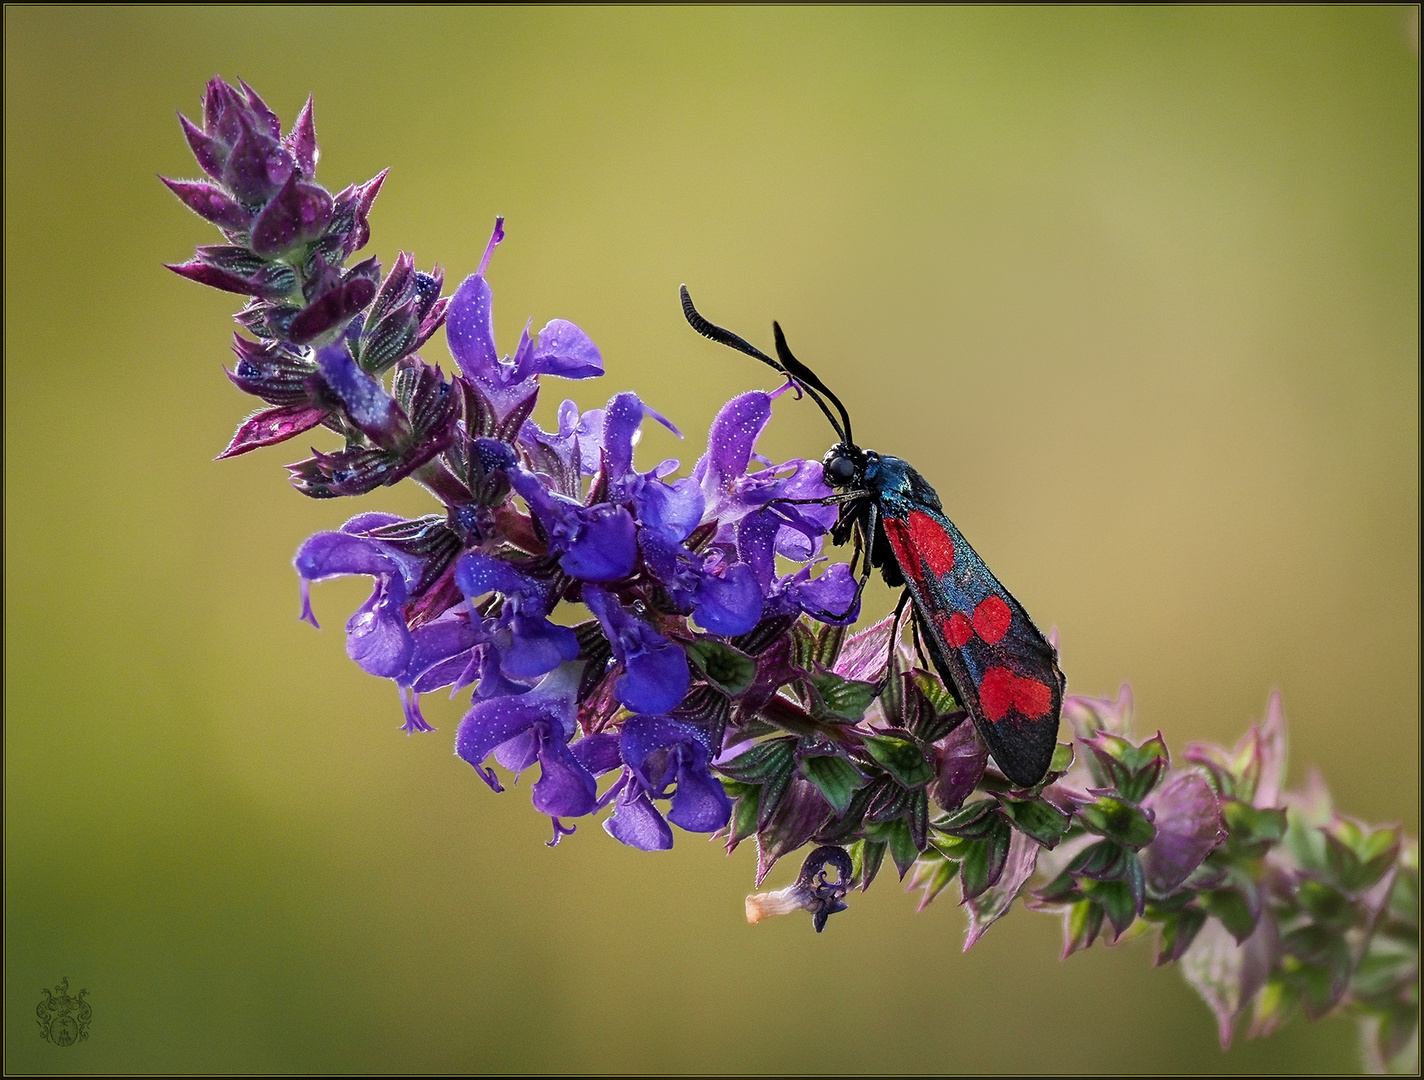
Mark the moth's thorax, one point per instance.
(896, 484)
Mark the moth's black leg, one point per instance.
(894, 637)
(865, 571)
(919, 647)
(829, 500)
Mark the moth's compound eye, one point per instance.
(840, 471)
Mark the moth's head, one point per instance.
(844, 466)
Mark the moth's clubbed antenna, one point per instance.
(811, 379)
(798, 372)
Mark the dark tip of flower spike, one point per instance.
(298, 212)
(210, 153)
(301, 143)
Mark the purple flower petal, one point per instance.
(597, 753)
(365, 400)
(595, 543)
(637, 824)
(588, 429)
(644, 736)
(599, 543)
(520, 752)
(699, 804)
(494, 721)
(827, 597)
(730, 604)
(564, 787)
(469, 328)
(538, 646)
(377, 637)
(670, 509)
(567, 351)
(621, 420)
(376, 634)
(563, 348)
(478, 574)
(656, 675)
(730, 441)
(660, 750)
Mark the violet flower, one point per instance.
(661, 752)
(520, 729)
(377, 637)
(655, 671)
(562, 348)
(527, 643)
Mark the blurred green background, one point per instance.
(1136, 289)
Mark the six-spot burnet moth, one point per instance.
(979, 638)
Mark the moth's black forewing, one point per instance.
(979, 638)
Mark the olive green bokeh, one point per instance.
(1136, 289)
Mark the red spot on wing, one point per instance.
(898, 533)
(1002, 690)
(1032, 698)
(996, 692)
(957, 630)
(991, 619)
(932, 543)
